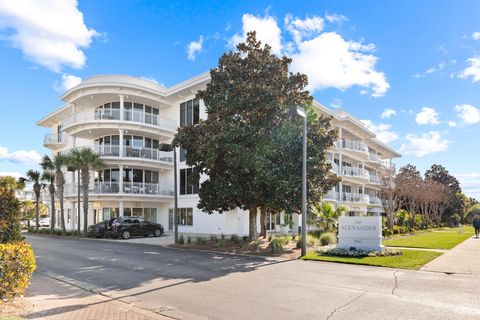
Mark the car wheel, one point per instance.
(126, 234)
(157, 233)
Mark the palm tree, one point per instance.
(35, 177)
(56, 164)
(49, 177)
(84, 159)
(326, 216)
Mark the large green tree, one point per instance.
(9, 210)
(248, 146)
(56, 164)
(85, 160)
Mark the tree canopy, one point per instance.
(250, 148)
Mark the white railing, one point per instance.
(355, 172)
(374, 180)
(351, 145)
(334, 166)
(147, 153)
(389, 166)
(375, 201)
(131, 116)
(374, 157)
(128, 188)
(53, 138)
(107, 150)
(331, 195)
(355, 197)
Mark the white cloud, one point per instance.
(431, 70)
(338, 18)
(326, 58)
(452, 123)
(266, 28)
(382, 131)
(68, 82)
(388, 113)
(49, 32)
(476, 35)
(300, 29)
(427, 116)
(21, 156)
(194, 47)
(427, 143)
(468, 113)
(473, 71)
(14, 174)
(470, 183)
(331, 61)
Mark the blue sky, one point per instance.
(410, 69)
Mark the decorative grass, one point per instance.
(411, 259)
(445, 238)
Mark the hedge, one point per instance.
(17, 263)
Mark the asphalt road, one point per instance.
(197, 285)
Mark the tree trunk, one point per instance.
(263, 222)
(60, 183)
(37, 209)
(391, 221)
(252, 226)
(52, 214)
(85, 182)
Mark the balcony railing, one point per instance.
(354, 172)
(55, 139)
(374, 180)
(331, 195)
(355, 197)
(389, 166)
(128, 115)
(128, 188)
(374, 157)
(107, 150)
(375, 201)
(147, 153)
(352, 145)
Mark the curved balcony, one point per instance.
(372, 157)
(389, 166)
(90, 120)
(355, 173)
(140, 153)
(352, 145)
(129, 189)
(355, 197)
(375, 201)
(331, 196)
(55, 141)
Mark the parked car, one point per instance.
(126, 227)
(98, 230)
(44, 222)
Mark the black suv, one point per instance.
(126, 227)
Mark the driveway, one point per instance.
(199, 285)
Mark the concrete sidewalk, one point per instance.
(464, 259)
(51, 299)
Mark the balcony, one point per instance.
(353, 172)
(352, 145)
(55, 141)
(389, 166)
(375, 180)
(141, 153)
(331, 195)
(355, 197)
(372, 157)
(109, 116)
(129, 188)
(376, 201)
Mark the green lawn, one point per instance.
(445, 238)
(411, 259)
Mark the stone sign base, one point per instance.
(360, 233)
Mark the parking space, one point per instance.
(164, 240)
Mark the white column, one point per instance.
(120, 147)
(340, 191)
(120, 208)
(340, 166)
(120, 178)
(340, 133)
(122, 102)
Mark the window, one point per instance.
(186, 217)
(188, 183)
(69, 215)
(183, 154)
(150, 214)
(189, 112)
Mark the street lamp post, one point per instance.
(301, 112)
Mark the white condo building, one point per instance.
(125, 119)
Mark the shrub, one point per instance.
(189, 239)
(352, 252)
(256, 245)
(222, 236)
(275, 246)
(386, 232)
(327, 238)
(234, 238)
(200, 241)
(17, 263)
(31, 230)
(316, 233)
(270, 236)
(220, 242)
(294, 237)
(245, 238)
(58, 232)
(181, 239)
(214, 238)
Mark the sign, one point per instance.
(360, 233)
